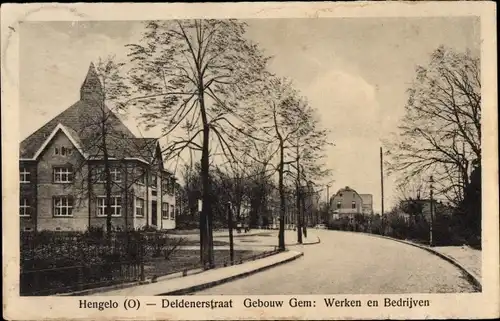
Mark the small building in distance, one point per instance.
(347, 203)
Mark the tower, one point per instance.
(91, 89)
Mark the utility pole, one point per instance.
(230, 227)
(432, 212)
(382, 180)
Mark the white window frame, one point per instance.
(24, 175)
(115, 207)
(165, 208)
(116, 174)
(59, 171)
(24, 208)
(139, 201)
(65, 206)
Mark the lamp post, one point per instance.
(432, 212)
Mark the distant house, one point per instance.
(347, 203)
(422, 207)
(62, 181)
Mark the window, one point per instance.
(164, 210)
(141, 175)
(353, 204)
(172, 213)
(24, 208)
(25, 175)
(154, 180)
(116, 175)
(339, 204)
(56, 151)
(340, 195)
(63, 206)
(116, 206)
(164, 185)
(99, 174)
(63, 175)
(168, 185)
(139, 207)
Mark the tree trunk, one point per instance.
(298, 195)
(107, 173)
(281, 234)
(206, 247)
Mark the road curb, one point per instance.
(471, 276)
(318, 240)
(207, 285)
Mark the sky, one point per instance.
(354, 71)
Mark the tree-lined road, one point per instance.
(355, 264)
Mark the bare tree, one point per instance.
(440, 133)
(307, 152)
(197, 73)
(283, 116)
(104, 138)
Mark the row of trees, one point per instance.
(253, 197)
(205, 84)
(440, 136)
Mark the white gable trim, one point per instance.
(52, 135)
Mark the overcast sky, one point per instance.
(354, 71)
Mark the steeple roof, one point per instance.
(91, 88)
(81, 119)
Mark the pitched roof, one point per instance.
(82, 121)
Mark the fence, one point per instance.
(64, 262)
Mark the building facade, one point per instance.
(347, 203)
(68, 166)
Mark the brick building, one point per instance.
(63, 172)
(347, 203)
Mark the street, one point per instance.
(352, 263)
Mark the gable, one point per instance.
(63, 136)
(76, 118)
(60, 138)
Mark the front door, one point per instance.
(154, 213)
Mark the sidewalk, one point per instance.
(196, 282)
(465, 258)
(468, 257)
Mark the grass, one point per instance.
(188, 259)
